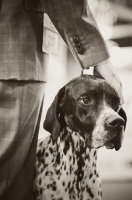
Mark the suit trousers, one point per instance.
(21, 105)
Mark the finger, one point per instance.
(112, 79)
(118, 88)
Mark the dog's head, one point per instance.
(89, 106)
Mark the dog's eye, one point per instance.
(85, 100)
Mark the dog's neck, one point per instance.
(71, 142)
(74, 151)
(72, 139)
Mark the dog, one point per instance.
(82, 118)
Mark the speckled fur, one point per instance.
(67, 169)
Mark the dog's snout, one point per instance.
(114, 121)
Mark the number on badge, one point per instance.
(51, 41)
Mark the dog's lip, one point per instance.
(111, 143)
(110, 146)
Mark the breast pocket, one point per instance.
(34, 5)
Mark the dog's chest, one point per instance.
(66, 170)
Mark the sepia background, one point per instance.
(114, 18)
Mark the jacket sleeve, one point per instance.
(76, 24)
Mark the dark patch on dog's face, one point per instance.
(82, 103)
(85, 99)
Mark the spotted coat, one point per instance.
(67, 169)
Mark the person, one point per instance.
(23, 73)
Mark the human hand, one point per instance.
(106, 71)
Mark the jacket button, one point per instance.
(76, 39)
(81, 51)
(78, 46)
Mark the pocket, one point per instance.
(34, 5)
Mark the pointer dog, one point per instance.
(82, 118)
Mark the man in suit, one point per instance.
(23, 73)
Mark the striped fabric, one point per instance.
(73, 17)
(20, 111)
(21, 32)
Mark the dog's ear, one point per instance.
(120, 136)
(53, 118)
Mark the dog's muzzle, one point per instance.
(114, 122)
(115, 125)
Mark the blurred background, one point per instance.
(114, 18)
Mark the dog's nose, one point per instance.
(114, 121)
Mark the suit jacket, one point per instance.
(21, 33)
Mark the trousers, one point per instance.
(21, 105)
